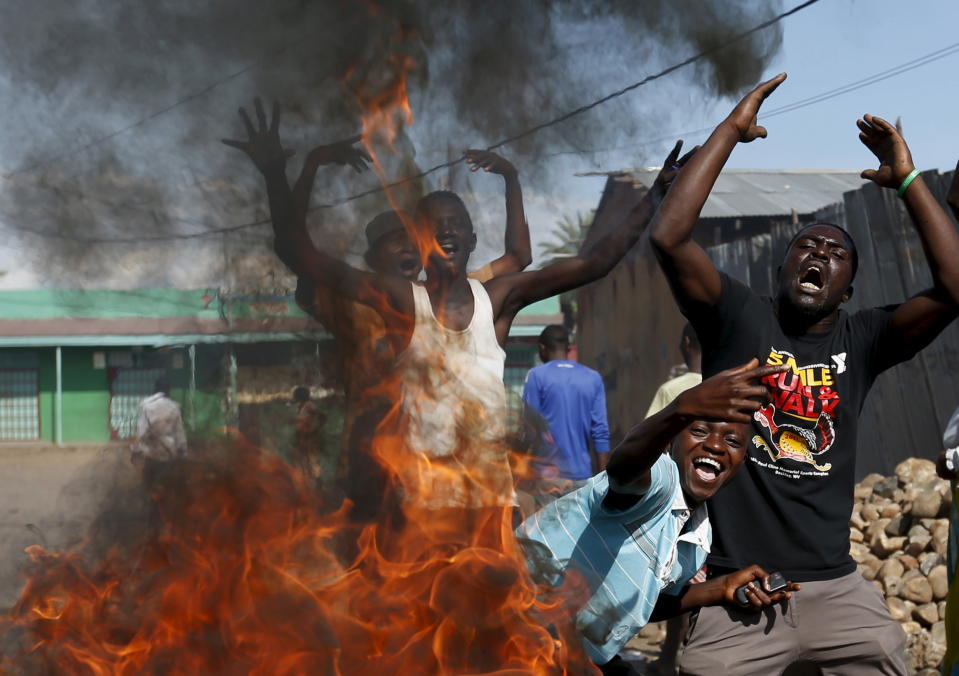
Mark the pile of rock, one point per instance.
(898, 534)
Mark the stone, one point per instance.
(927, 502)
(892, 585)
(917, 544)
(939, 532)
(883, 546)
(916, 470)
(928, 561)
(898, 524)
(855, 535)
(939, 581)
(894, 511)
(936, 649)
(884, 487)
(875, 527)
(908, 562)
(869, 513)
(872, 561)
(942, 609)
(911, 628)
(927, 614)
(867, 572)
(858, 551)
(910, 574)
(861, 493)
(891, 567)
(871, 479)
(917, 589)
(856, 520)
(897, 609)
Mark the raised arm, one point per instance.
(518, 253)
(732, 395)
(689, 270)
(268, 155)
(917, 321)
(511, 293)
(288, 210)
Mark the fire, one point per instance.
(244, 568)
(236, 564)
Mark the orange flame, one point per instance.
(244, 570)
(242, 567)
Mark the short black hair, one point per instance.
(439, 195)
(849, 240)
(162, 384)
(554, 336)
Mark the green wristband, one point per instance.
(905, 184)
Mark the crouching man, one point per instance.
(636, 534)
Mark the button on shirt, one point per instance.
(627, 558)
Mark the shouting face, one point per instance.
(708, 455)
(394, 254)
(451, 226)
(817, 272)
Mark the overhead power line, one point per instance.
(789, 107)
(345, 200)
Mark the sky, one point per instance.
(828, 45)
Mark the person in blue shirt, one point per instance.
(572, 399)
(635, 534)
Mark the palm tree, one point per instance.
(570, 231)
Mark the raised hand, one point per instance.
(344, 152)
(263, 141)
(489, 161)
(733, 395)
(743, 117)
(672, 166)
(882, 139)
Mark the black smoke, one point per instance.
(76, 72)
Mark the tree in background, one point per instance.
(569, 234)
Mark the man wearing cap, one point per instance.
(359, 329)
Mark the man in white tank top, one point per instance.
(445, 441)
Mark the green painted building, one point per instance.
(74, 364)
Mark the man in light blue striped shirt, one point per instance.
(640, 529)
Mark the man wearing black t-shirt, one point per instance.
(788, 509)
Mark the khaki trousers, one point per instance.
(842, 626)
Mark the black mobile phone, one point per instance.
(774, 582)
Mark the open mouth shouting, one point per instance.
(707, 469)
(409, 264)
(449, 247)
(812, 279)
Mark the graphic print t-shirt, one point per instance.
(788, 507)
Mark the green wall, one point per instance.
(86, 397)
(48, 385)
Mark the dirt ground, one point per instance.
(49, 496)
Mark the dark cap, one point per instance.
(382, 225)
